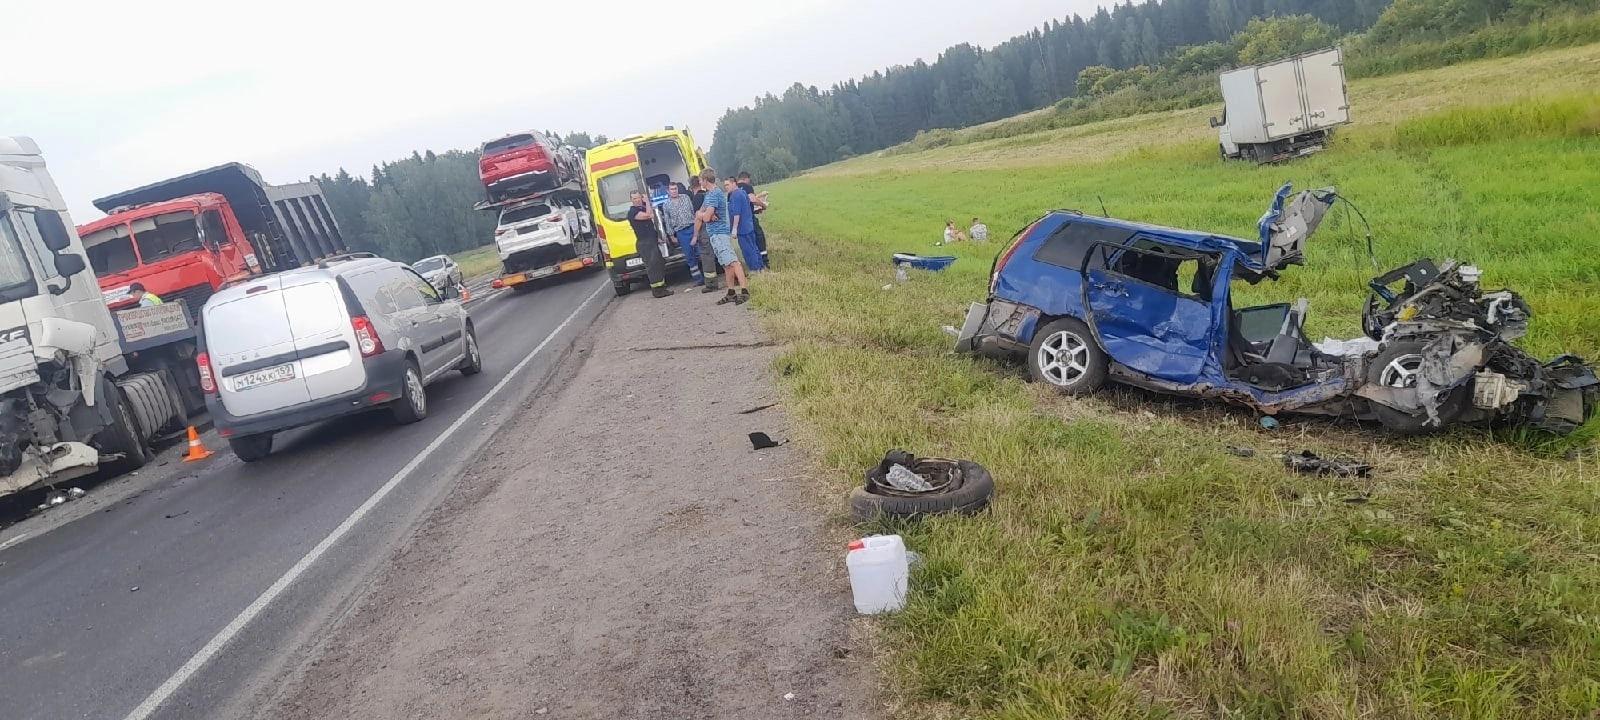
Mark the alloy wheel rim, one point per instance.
(1401, 372)
(1063, 358)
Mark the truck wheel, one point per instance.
(1065, 356)
(1397, 367)
(121, 436)
(413, 402)
(472, 364)
(251, 448)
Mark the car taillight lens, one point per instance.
(600, 230)
(366, 336)
(208, 382)
(1000, 262)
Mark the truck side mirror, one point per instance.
(1216, 123)
(69, 264)
(52, 230)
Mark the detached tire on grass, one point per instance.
(966, 494)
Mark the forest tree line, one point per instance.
(1125, 45)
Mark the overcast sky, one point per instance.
(120, 94)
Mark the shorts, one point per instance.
(722, 245)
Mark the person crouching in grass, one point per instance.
(714, 215)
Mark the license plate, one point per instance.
(571, 265)
(268, 376)
(543, 272)
(635, 262)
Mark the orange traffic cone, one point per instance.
(466, 294)
(197, 449)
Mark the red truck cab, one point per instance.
(185, 248)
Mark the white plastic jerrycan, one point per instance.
(878, 571)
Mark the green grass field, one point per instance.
(1131, 566)
(478, 261)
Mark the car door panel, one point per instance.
(1149, 329)
(433, 326)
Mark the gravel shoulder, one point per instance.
(618, 551)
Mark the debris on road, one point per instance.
(1243, 452)
(1310, 463)
(58, 497)
(757, 408)
(762, 441)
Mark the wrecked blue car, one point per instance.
(1089, 299)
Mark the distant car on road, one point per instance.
(523, 164)
(352, 333)
(440, 270)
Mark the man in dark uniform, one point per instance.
(648, 244)
(760, 204)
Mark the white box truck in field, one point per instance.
(69, 399)
(1283, 109)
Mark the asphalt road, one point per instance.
(103, 615)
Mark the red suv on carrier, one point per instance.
(522, 164)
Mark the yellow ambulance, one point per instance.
(637, 163)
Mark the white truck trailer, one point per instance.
(1283, 109)
(68, 399)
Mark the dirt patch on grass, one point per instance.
(618, 552)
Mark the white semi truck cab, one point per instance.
(68, 402)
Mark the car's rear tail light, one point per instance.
(1005, 257)
(208, 382)
(366, 336)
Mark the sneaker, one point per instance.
(661, 292)
(729, 298)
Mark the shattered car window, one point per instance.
(1180, 271)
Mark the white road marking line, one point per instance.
(223, 637)
(19, 538)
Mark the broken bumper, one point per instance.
(995, 328)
